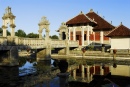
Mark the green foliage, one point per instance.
(32, 35)
(54, 37)
(20, 33)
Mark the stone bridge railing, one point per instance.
(35, 43)
(63, 43)
(58, 43)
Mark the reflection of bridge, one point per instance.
(11, 44)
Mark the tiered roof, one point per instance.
(121, 31)
(101, 23)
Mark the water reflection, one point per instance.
(43, 73)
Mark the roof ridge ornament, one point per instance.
(121, 23)
(91, 10)
(81, 12)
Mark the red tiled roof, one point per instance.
(121, 30)
(80, 19)
(101, 23)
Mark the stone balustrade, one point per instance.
(35, 43)
(73, 43)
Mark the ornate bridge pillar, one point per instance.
(44, 24)
(64, 28)
(8, 17)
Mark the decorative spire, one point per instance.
(121, 23)
(111, 22)
(91, 10)
(81, 12)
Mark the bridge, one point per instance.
(9, 45)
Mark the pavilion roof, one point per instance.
(80, 19)
(102, 24)
(121, 30)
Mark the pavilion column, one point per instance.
(82, 36)
(74, 33)
(101, 37)
(94, 36)
(88, 35)
(74, 74)
(69, 33)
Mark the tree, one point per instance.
(20, 33)
(54, 37)
(32, 35)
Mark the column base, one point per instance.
(63, 79)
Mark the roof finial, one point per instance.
(81, 12)
(91, 10)
(121, 23)
(111, 22)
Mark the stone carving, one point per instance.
(44, 24)
(8, 17)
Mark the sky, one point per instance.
(29, 12)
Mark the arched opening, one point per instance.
(63, 36)
(44, 25)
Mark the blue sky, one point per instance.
(29, 12)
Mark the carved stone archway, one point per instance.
(8, 18)
(44, 24)
(63, 28)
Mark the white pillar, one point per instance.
(82, 36)
(101, 37)
(74, 39)
(69, 34)
(74, 74)
(94, 36)
(12, 32)
(4, 32)
(88, 35)
(3, 22)
(13, 21)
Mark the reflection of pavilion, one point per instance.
(86, 72)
